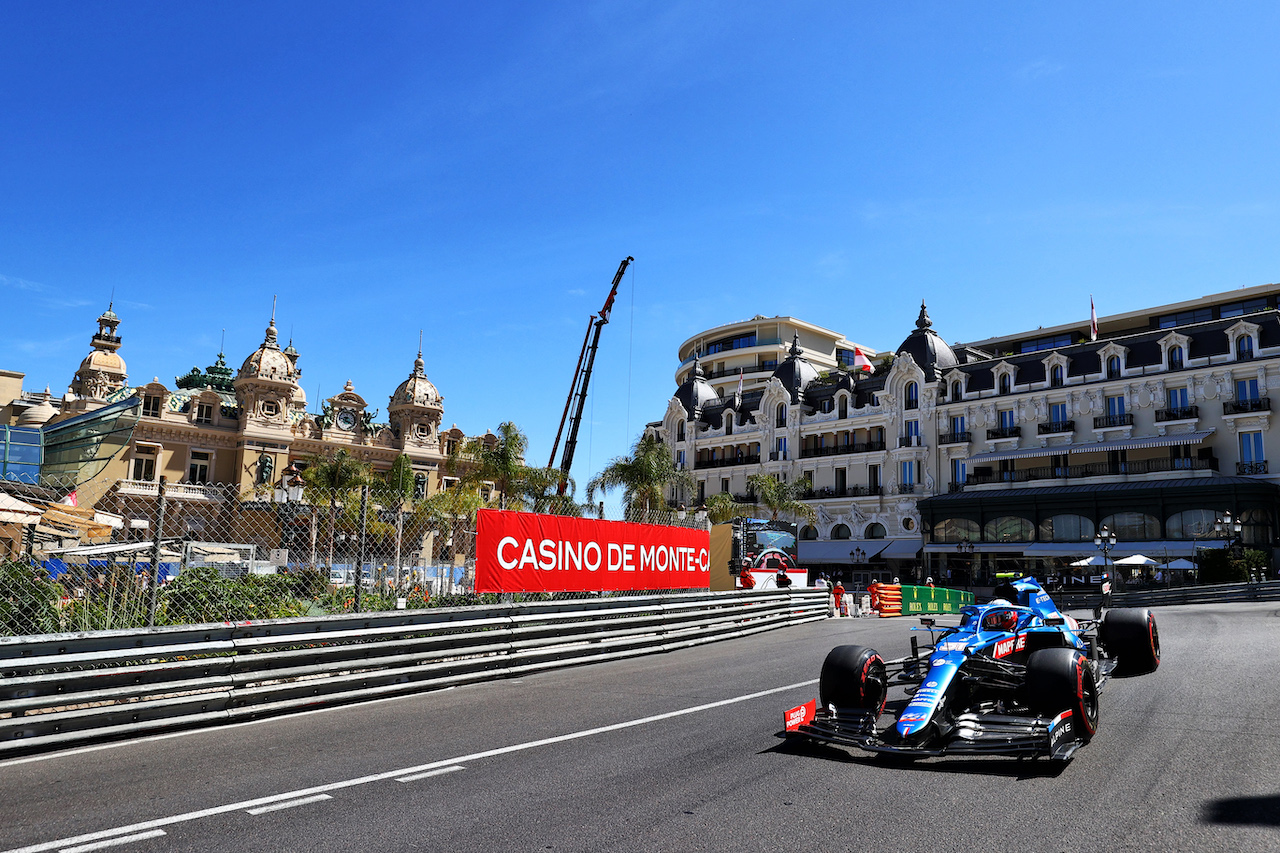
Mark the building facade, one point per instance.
(1011, 452)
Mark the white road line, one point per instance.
(115, 842)
(395, 774)
(440, 771)
(275, 807)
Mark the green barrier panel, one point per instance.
(929, 599)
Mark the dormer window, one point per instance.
(1056, 376)
(1113, 367)
(204, 413)
(826, 406)
(728, 423)
(1175, 358)
(151, 406)
(912, 400)
(680, 431)
(1244, 348)
(780, 420)
(1006, 384)
(844, 407)
(956, 390)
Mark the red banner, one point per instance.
(528, 552)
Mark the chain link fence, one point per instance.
(129, 554)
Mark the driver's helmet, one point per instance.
(1000, 620)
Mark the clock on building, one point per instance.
(346, 419)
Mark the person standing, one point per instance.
(838, 592)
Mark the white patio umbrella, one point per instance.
(1136, 560)
(1180, 563)
(1095, 560)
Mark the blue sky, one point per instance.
(478, 172)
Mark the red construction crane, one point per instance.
(581, 378)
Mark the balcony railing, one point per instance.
(179, 491)
(846, 492)
(910, 441)
(1241, 407)
(1104, 421)
(751, 459)
(1004, 432)
(1177, 413)
(906, 488)
(777, 456)
(955, 437)
(839, 449)
(952, 488)
(1251, 467)
(734, 371)
(1093, 469)
(1055, 427)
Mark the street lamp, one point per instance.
(1229, 528)
(1105, 541)
(965, 547)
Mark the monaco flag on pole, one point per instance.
(860, 361)
(1093, 320)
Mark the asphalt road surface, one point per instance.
(681, 752)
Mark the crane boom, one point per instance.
(582, 378)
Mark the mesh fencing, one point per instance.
(133, 554)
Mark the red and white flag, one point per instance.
(861, 362)
(72, 499)
(1093, 320)
(739, 383)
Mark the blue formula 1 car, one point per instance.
(1015, 677)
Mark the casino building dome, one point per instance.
(696, 391)
(927, 348)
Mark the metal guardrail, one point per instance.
(1215, 594)
(58, 689)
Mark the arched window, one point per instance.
(808, 533)
(728, 423)
(680, 431)
(1133, 525)
(956, 530)
(875, 530)
(1066, 528)
(1009, 528)
(840, 531)
(912, 396)
(844, 406)
(781, 415)
(1190, 524)
(1244, 348)
(1113, 367)
(1005, 383)
(1055, 376)
(1175, 358)
(956, 390)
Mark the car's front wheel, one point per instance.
(1130, 635)
(1062, 680)
(854, 677)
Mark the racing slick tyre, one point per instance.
(1130, 636)
(854, 677)
(1062, 680)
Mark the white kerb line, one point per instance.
(275, 807)
(114, 842)
(440, 771)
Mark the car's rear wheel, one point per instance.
(1062, 680)
(1130, 635)
(854, 677)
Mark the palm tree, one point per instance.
(644, 477)
(781, 498)
(331, 476)
(722, 508)
(502, 463)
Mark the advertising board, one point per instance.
(529, 552)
